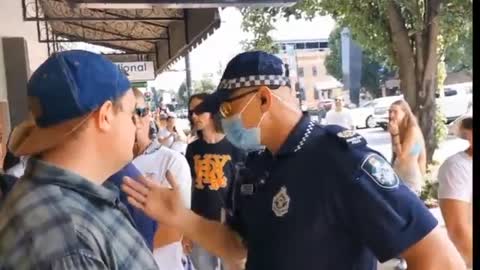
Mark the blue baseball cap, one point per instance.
(62, 94)
(248, 69)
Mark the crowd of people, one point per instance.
(101, 181)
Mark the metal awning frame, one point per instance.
(32, 12)
(144, 30)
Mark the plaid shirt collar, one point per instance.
(43, 172)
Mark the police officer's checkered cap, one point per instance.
(254, 69)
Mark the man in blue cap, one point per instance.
(309, 196)
(59, 215)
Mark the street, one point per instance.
(379, 140)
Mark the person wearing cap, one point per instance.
(154, 160)
(60, 215)
(309, 196)
(455, 182)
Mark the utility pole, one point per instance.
(188, 74)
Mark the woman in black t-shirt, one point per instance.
(212, 159)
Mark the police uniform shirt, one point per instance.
(324, 201)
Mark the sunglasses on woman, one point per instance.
(142, 112)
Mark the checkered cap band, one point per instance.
(254, 80)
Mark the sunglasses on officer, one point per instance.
(226, 106)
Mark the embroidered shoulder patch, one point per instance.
(351, 137)
(380, 171)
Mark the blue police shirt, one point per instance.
(324, 201)
(144, 224)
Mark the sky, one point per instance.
(213, 54)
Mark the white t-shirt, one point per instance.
(164, 133)
(455, 178)
(154, 162)
(19, 169)
(342, 118)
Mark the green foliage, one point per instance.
(205, 85)
(459, 54)
(371, 74)
(440, 127)
(429, 193)
(259, 22)
(333, 61)
(182, 94)
(367, 21)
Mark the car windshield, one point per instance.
(369, 104)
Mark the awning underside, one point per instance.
(157, 34)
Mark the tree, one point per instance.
(373, 71)
(459, 55)
(205, 85)
(182, 94)
(404, 31)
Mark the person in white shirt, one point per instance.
(154, 160)
(173, 137)
(340, 115)
(455, 193)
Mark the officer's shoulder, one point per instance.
(367, 162)
(344, 137)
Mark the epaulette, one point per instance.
(347, 137)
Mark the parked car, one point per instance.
(363, 115)
(456, 102)
(380, 110)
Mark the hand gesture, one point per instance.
(393, 127)
(160, 202)
(187, 245)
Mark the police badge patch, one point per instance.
(281, 202)
(348, 133)
(380, 171)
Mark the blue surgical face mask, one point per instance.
(247, 139)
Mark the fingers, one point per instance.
(135, 185)
(148, 183)
(135, 195)
(135, 203)
(172, 180)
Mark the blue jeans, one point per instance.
(204, 260)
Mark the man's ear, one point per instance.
(265, 95)
(104, 116)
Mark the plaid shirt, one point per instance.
(55, 219)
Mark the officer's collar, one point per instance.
(297, 137)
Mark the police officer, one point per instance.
(309, 196)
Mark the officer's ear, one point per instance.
(265, 95)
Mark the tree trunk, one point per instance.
(417, 61)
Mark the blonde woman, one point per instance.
(408, 145)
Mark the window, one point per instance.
(312, 45)
(314, 71)
(450, 92)
(300, 72)
(316, 94)
(300, 46)
(324, 45)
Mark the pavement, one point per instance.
(379, 140)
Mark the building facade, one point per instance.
(306, 60)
